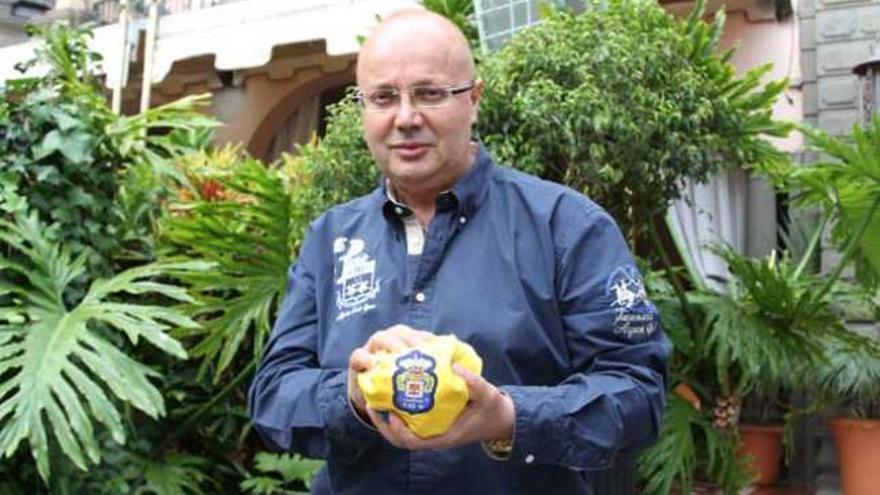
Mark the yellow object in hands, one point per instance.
(419, 384)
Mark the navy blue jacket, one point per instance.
(537, 278)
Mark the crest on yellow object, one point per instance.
(419, 384)
(414, 382)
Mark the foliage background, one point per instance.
(123, 192)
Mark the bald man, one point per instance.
(534, 276)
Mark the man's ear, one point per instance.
(476, 94)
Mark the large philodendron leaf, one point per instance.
(772, 321)
(176, 474)
(58, 369)
(846, 184)
(690, 447)
(858, 204)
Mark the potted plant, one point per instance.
(736, 366)
(845, 186)
(755, 342)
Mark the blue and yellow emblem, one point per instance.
(414, 382)
(419, 385)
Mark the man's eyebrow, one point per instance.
(428, 81)
(383, 85)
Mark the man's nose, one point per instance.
(406, 114)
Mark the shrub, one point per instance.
(623, 103)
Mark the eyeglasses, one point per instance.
(426, 96)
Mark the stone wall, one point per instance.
(835, 36)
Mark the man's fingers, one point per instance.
(397, 338)
(386, 341)
(397, 433)
(361, 360)
(478, 388)
(411, 336)
(405, 437)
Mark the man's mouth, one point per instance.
(409, 145)
(410, 149)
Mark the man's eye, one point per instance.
(382, 97)
(429, 94)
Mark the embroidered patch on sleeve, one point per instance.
(414, 382)
(635, 317)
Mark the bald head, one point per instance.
(421, 148)
(419, 29)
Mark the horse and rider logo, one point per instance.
(414, 382)
(635, 316)
(357, 284)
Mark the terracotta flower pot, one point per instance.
(763, 443)
(858, 454)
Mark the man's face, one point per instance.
(418, 149)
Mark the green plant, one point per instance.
(772, 321)
(691, 447)
(760, 336)
(461, 13)
(54, 353)
(280, 474)
(780, 327)
(63, 150)
(623, 103)
(248, 220)
(337, 168)
(251, 238)
(845, 186)
(64, 153)
(177, 474)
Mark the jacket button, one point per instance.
(530, 459)
(420, 297)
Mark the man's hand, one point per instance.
(391, 340)
(489, 415)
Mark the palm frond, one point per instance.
(56, 363)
